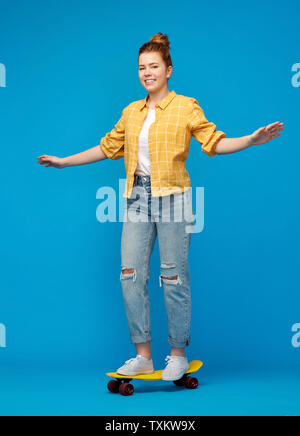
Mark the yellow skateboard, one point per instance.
(122, 385)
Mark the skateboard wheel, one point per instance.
(126, 389)
(113, 386)
(191, 383)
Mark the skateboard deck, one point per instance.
(123, 386)
(195, 365)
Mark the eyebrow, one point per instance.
(149, 64)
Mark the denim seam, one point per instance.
(145, 270)
(183, 265)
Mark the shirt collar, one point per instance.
(162, 104)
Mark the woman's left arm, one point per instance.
(260, 136)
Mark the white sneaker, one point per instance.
(176, 367)
(137, 365)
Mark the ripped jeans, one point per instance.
(166, 217)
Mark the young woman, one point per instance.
(153, 135)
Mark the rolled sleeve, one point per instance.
(112, 144)
(203, 131)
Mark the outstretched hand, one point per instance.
(51, 161)
(265, 134)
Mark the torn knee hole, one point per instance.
(171, 280)
(128, 274)
(128, 271)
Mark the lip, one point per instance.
(152, 80)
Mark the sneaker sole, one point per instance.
(147, 371)
(171, 379)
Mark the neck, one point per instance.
(156, 97)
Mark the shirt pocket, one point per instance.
(176, 133)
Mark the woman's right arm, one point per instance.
(91, 155)
(112, 143)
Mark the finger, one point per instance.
(275, 136)
(271, 130)
(274, 124)
(276, 129)
(272, 127)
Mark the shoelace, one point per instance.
(134, 358)
(169, 359)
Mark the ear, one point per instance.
(170, 69)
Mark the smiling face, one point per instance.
(152, 67)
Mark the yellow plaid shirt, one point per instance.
(177, 119)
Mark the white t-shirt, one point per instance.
(143, 165)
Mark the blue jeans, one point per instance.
(146, 218)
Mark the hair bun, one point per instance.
(160, 38)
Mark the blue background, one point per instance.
(71, 68)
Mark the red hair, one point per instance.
(158, 43)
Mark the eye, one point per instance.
(155, 66)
